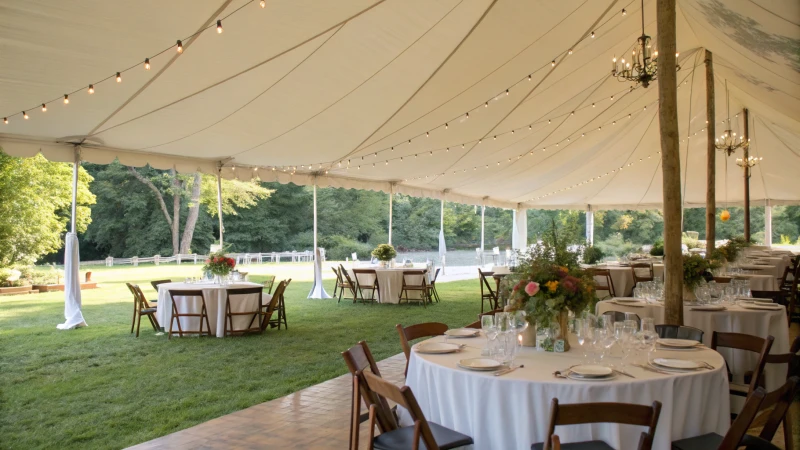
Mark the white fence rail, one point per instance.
(194, 258)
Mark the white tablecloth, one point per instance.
(390, 281)
(512, 411)
(733, 320)
(622, 277)
(215, 296)
(758, 282)
(780, 263)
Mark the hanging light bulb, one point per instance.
(263, 4)
(569, 52)
(219, 26)
(66, 99)
(553, 63)
(179, 47)
(592, 34)
(119, 77)
(44, 107)
(91, 89)
(624, 13)
(147, 64)
(25, 115)
(5, 120)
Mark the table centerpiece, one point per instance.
(548, 284)
(219, 265)
(696, 271)
(384, 253)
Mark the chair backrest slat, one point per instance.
(358, 359)
(680, 332)
(420, 330)
(156, 283)
(739, 426)
(779, 400)
(740, 341)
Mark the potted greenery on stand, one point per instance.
(384, 253)
(696, 271)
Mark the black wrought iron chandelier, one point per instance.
(643, 65)
(729, 142)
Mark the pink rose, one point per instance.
(532, 288)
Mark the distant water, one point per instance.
(453, 258)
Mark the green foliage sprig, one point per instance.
(731, 249)
(592, 255)
(384, 252)
(658, 248)
(696, 269)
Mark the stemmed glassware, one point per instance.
(488, 327)
(583, 331)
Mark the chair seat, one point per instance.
(588, 445)
(403, 438)
(702, 442)
(757, 443)
(147, 311)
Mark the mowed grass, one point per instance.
(99, 387)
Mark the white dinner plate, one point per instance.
(462, 333)
(437, 347)
(627, 300)
(708, 308)
(592, 371)
(482, 364)
(680, 364)
(677, 343)
(574, 376)
(761, 307)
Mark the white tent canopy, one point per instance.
(305, 90)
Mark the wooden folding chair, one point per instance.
(420, 330)
(778, 402)
(680, 332)
(254, 313)
(268, 283)
(347, 283)
(429, 434)
(432, 292)
(268, 309)
(338, 280)
(359, 358)
(280, 309)
(155, 285)
(486, 290)
(585, 413)
(747, 342)
(733, 438)
(608, 284)
(140, 308)
(374, 288)
(642, 272)
(422, 287)
(176, 314)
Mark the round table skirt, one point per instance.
(622, 277)
(512, 411)
(390, 281)
(733, 320)
(215, 296)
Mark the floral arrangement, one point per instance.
(219, 264)
(731, 249)
(549, 282)
(696, 269)
(592, 255)
(384, 252)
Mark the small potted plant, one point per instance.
(592, 255)
(219, 265)
(384, 253)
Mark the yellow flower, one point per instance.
(552, 285)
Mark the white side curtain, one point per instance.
(519, 231)
(72, 286)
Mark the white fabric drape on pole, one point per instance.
(442, 245)
(318, 290)
(768, 224)
(519, 238)
(590, 225)
(72, 282)
(219, 206)
(391, 201)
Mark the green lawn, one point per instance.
(99, 387)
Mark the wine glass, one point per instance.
(582, 333)
(489, 328)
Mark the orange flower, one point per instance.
(552, 285)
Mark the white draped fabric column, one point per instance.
(442, 245)
(391, 200)
(483, 227)
(318, 290)
(519, 238)
(219, 205)
(590, 225)
(768, 224)
(72, 283)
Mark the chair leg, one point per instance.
(138, 323)
(154, 322)
(135, 310)
(340, 295)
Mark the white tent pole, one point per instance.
(589, 225)
(441, 221)
(75, 166)
(767, 223)
(514, 230)
(317, 290)
(219, 204)
(391, 200)
(483, 226)
(315, 215)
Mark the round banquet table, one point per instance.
(215, 296)
(622, 277)
(390, 280)
(735, 319)
(512, 411)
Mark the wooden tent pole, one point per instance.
(711, 132)
(670, 162)
(746, 156)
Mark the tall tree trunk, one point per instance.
(176, 212)
(191, 218)
(670, 162)
(163, 205)
(711, 167)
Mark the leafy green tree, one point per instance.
(35, 207)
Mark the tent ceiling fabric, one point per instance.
(311, 84)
